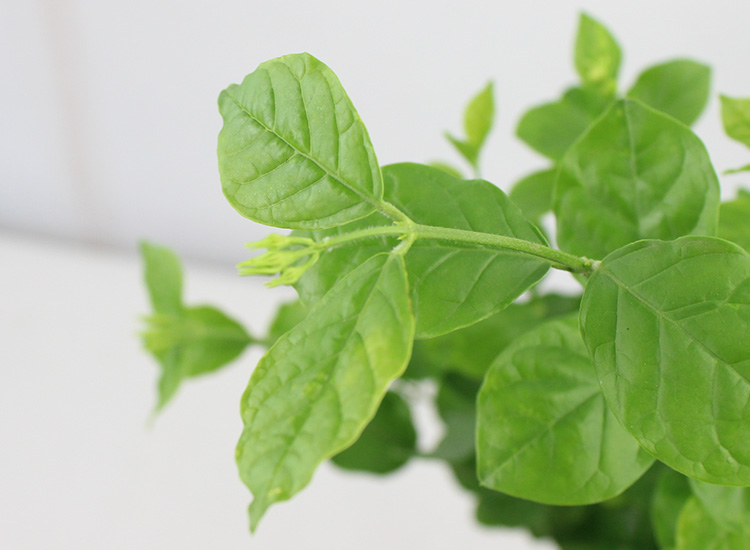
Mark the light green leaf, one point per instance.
(670, 496)
(316, 389)
(679, 88)
(293, 151)
(445, 167)
(163, 276)
(453, 285)
(197, 341)
(288, 316)
(552, 128)
(739, 170)
(386, 444)
(540, 409)
(636, 174)
(735, 114)
(698, 530)
(478, 119)
(533, 194)
(734, 220)
(597, 56)
(727, 505)
(471, 350)
(667, 325)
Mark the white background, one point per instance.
(108, 128)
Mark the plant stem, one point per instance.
(411, 230)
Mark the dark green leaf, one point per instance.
(679, 88)
(293, 151)
(735, 114)
(163, 275)
(387, 442)
(734, 220)
(636, 174)
(552, 128)
(453, 285)
(597, 56)
(316, 389)
(670, 496)
(540, 409)
(666, 324)
(456, 404)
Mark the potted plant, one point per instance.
(614, 418)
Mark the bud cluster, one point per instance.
(287, 255)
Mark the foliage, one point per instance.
(624, 425)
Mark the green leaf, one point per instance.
(727, 505)
(678, 88)
(552, 128)
(452, 284)
(471, 350)
(293, 151)
(670, 496)
(316, 389)
(597, 56)
(456, 404)
(698, 530)
(735, 114)
(288, 316)
(533, 194)
(386, 444)
(540, 409)
(636, 174)
(445, 167)
(478, 119)
(163, 276)
(734, 220)
(197, 341)
(666, 324)
(739, 170)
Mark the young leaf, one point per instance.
(735, 114)
(452, 284)
(186, 341)
(636, 174)
(597, 56)
(163, 276)
(386, 444)
(552, 128)
(478, 119)
(678, 88)
(734, 220)
(540, 409)
(533, 194)
(315, 390)
(293, 151)
(671, 493)
(666, 324)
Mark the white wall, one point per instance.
(108, 120)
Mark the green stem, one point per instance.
(411, 230)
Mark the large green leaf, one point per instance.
(478, 119)
(452, 284)
(671, 493)
(288, 316)
(540, 409)
(386, 444)
(293, 151)
(636, 174)
(679, 88)
(552, 128)
(597, 56)
(316, 389)
(667, 325)
(735, 114)
(734, 220)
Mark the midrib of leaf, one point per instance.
(333, 174)
(664, 317)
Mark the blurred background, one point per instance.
(108, 126)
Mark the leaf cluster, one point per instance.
(616, 418)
